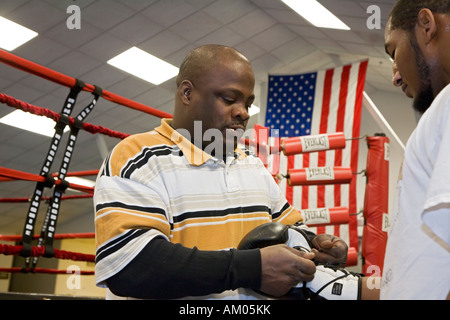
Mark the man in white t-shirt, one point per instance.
(417, 261)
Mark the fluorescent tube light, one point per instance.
(81, 182)
(316, 14)
(30, 122)
(143, 65)
(14, 35)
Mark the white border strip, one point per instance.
(380, 120)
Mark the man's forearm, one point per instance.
(163, 270)
(369, 292)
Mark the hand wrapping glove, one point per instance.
(329, 283)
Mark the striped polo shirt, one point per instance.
(159, 184)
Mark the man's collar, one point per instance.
(194, 155)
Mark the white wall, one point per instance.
(397, 111)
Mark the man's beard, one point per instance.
(425, 97)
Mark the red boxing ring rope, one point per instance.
(89, 235)
(14, 174)
(15, 103)
(40, 251)
(42, 270)
(11, 174)
(27, 199)
(64, 80)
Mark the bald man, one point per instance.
(215, 91)
(418, 250)
(172, 204)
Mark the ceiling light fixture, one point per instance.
(316, 14)
(81, 182)
(30, 122)
(143, 65)
(14, 35)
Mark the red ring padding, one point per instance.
(376, 204)
(319, 176)
(313, 143)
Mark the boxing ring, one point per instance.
(31, 245)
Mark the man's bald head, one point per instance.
(202, 60)
(215, 88)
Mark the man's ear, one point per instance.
(185, 91)
(426, 26)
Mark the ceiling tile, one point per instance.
(103, 76)
(292, 50)
(105, 14)
(73, 38)
(38, 17)
(228, 11)
(265, 64)
(40, 53)
(63, 4)
(168, 12)
(191, 30)
(155, 97)
(104, 47)
(250, 49)
(252, 23)
(224, 36)
(74, 64)
(137, 5)
(279, 35)
(344, 8)
(163, 44)
(287, 16)
(7, 6)
(136, 29)
(130, 86)
(22, 92)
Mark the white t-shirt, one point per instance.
(417, 260)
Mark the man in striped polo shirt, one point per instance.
(172, 204)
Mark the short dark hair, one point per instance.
(404, 14)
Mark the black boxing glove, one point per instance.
(273, 233)
(329, 283)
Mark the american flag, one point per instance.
(326, 101)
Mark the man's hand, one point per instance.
(283, 268)
(329, 249)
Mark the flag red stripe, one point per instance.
(327, 91)
(305, 189)
(339, 128)
(328, 85)
(353, 223)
